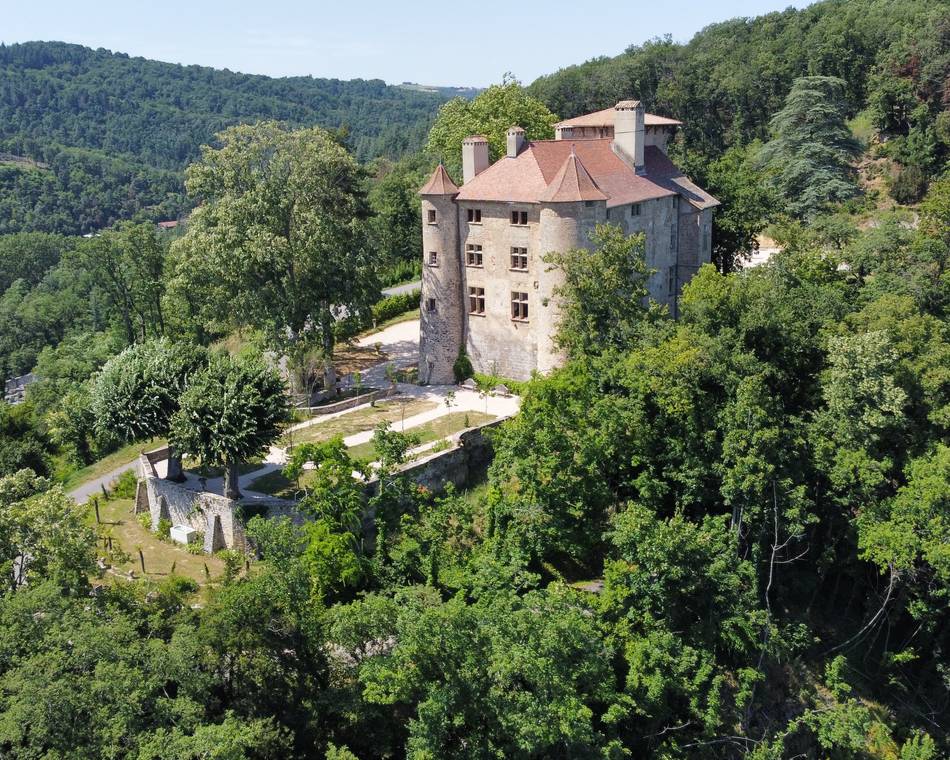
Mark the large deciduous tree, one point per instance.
(811, 150)
(277, 242)
(128, 263)
(489, 114)
(604, 296)
(136, 393)
(230, 412)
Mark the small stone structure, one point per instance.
(208, 513)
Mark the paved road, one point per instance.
(83, 492)
(398, 290)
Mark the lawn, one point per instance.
(107, 464)
(128, 534)
(431, 431)
(365, 418)
(275, 484)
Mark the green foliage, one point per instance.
(23, 443)
(278, 241)
(164, 529)
(462, 367)
(489, 114)
(231, 411)
(137, 393)
(604, 301)
(811, 151)
(125, 485)
(394, 306)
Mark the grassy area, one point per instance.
(276, 484)
(431, 431)
(365, 418)
(105, 465)
(128, 534)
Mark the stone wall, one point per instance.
(208, 513)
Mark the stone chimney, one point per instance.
(474, 157)
(628, 133)
(515, 141)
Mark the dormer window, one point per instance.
(475, 215)
(431, 216)
(519, 218)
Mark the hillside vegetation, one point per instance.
(117, 131)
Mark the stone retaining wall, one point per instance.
(208, 513)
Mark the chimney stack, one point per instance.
(474, 157)
(628, 133)
(515, 141)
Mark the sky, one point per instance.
(436, 43)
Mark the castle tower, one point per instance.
(441, 323)
(571, 206)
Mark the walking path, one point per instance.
(400, 342)
(398, 290)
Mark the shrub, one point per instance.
(462, 369)
(909, 186)
(244, 512)
(393, 306)
(124, 486)
(197, 546)
(399, 272)
(164, 530)
(145, 520)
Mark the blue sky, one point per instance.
(450, 43)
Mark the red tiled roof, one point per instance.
(572, 183)
(605, 118)
(440, 183)
(525, 178)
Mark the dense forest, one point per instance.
(721, 536)
(109, 135)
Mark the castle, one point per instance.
(485, 287)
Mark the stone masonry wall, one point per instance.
(209, 513)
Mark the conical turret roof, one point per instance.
(440, 183)
(572, 183)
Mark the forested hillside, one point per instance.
(116, 132)
(729, 79)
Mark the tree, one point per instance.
(231, 411)
(128, 263)
(604, 301)
(136, 394)
(809, 158)
(747, 205)
(278, 241)
(44, 534)
(490, 113)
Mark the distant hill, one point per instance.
(115, 132)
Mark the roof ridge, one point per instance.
(572, 183)
(439, 183)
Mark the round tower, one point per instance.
(441, 323)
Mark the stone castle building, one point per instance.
(485, 287)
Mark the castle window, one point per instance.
(589, 204)
(519, 306)
(430, 304)
(671, 281)
(635, 209)
(431, 215)
(475, 215)
(519, 258)
(473, 255)
(433, 258)
(519, 217)
(476, 300)
(673, 236)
